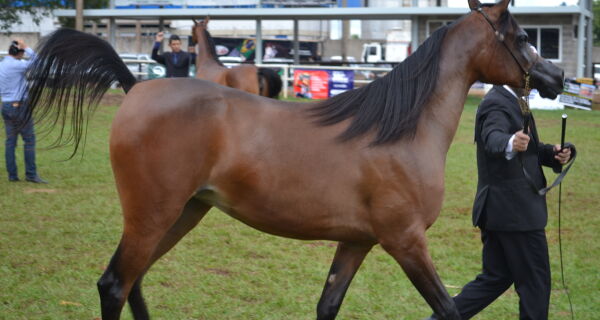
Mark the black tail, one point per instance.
(271, 79)
(72, 69)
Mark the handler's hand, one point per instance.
(160, 36)
(562, 156)
(520, 141)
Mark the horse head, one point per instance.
(505, 55)
(199, 26)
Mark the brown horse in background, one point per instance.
(246, 77)
(363, 168)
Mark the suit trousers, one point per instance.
(510, 257)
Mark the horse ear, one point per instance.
(474, 4)
(502, 5)
(206, 20)
(195, 22)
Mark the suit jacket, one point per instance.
(179, 69)
(505, 201)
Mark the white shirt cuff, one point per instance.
(508, 152)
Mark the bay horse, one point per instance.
(365, 167)
(246, 77)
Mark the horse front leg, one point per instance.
(345, 263)
(408, 246)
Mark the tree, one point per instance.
(87, 4)
(596, 21)
(10, 11)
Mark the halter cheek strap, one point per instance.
(501, 38)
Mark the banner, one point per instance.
(322, 84)
(577, 95)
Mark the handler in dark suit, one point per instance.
(507, 209)
(177, 61)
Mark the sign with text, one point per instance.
(321, 84)
(577, 95)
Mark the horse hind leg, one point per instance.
(136, 253)
(193, 212)
(346, 262)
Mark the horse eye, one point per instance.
(522, 38)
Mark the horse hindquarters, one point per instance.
(155, 221)
(156, 175)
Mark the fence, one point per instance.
(287, 74)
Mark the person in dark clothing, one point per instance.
(177, 61)
(510, 213)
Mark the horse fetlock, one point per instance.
(111, 291)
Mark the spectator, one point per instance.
(177, 62)
(14, 111)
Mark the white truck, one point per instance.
(395, 49)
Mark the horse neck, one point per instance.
(203, 56)
(442, 114)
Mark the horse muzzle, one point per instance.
(547, 78)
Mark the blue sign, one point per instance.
(340, 81)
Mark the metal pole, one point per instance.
(258, 53)
(580, 45)
(414, 25)
(296, 43)
(589, 44)
(160, 28)
(345, 32)
(79, 15)
(112, 27)
(286, 73)
(112, 32)
(138, 36)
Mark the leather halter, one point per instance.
(523, 101)
(501, 38)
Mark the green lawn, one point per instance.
(56, 240)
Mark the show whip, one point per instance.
(562, 272)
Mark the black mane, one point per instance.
(210, 47)
(393, 104)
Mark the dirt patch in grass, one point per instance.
(31, 190)
(112, 98)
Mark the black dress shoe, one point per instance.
(36, 179)
(13, 179)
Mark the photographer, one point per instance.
(14, 111)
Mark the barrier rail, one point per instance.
(287, 76)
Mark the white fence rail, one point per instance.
(287, 76)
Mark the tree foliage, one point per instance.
(596, 22)
(87, 4)
(10, 11)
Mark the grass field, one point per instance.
(56, 240)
